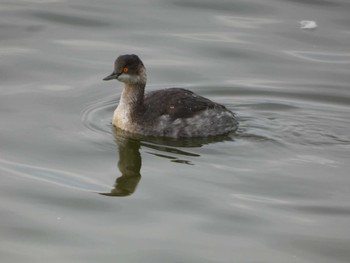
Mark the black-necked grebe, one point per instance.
(173, 112)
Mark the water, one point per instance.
(74, 190)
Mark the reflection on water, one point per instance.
(130, 160)
(129, 164)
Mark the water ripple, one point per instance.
(245, 22)
(280, 117)
(69, 19)
(322, 57)
(6, 51)
(225, 37)
(59, 177)
(97, 116)
(233, 6)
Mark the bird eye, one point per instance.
(125, 70)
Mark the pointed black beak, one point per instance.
(112, 76)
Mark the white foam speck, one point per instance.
(308, 24)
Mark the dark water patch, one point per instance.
(69, 203)
(316, 2)
(168, 149)
(342, 22)
(323, 210)
(11, 31)
(312, 38)
(92, 8)
(318, 248)
(234, 54)
(172, 158)
(274, 106)
(301, 96)
(72, 20)
(298, 124)
(288, 93)
(222, 5)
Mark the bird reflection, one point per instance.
(129, 162)
(129, 165)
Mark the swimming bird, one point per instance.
(172, 112)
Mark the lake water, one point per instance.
(74, 190)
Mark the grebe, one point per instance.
(172, 112)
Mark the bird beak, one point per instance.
(114, 75)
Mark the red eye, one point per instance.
(125, 70)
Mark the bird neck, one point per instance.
(131, 100)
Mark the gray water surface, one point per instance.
(72, 189)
